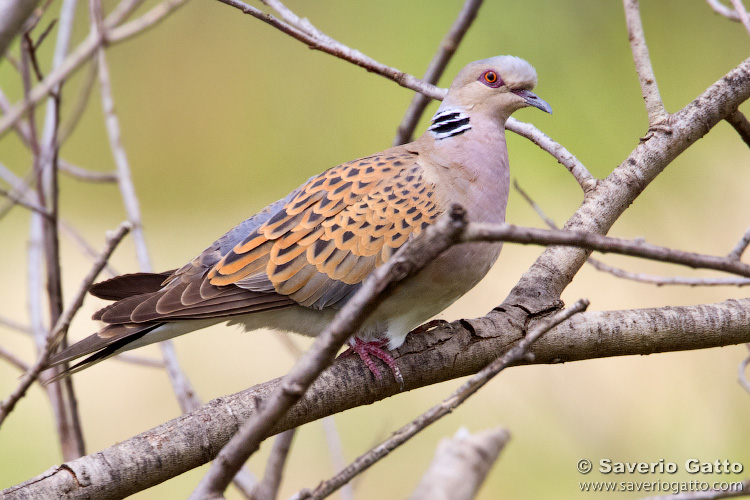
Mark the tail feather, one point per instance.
(128, 285)
(105, 343)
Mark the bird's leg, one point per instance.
(374, 348)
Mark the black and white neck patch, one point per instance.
(449, 122)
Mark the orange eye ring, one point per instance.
(491, 79)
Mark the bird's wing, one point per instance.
(313, 248)
(334, 231)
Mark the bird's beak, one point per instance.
(532, 99)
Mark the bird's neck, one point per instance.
(468, 153)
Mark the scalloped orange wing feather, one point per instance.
(341, 225)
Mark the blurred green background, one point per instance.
(222, 114)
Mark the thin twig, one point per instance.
(321, 354)
(740, 124)
(14, 325)
(723, 10)
(62, 325)
(559, 152)
(26, 204)
(13, 359)
(318, 41)
(71, 232)
(268, 488)
(124, 177)
(599, 243)
(739, 8)
(654, 106)
(332, 47)
(448, 47)
(86, 175)
(81, 101)
(666, 280)
(515, 354)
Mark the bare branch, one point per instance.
(334, 48)
(316, 40)
(467, 389)
(461, 465)
(740, 124)
(26, 204)
(80, 102)
(444, 353)
(62, 325)
(666, 280)
(86, 175)
(723, 10)
(654, 105)
(592, 241)
(440, 60)
(13, 359)
(741, 14)
(559, 152)
(125, 180)
(72, 233)
(268, 488)
(14, 325)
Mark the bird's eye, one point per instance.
(491, 79)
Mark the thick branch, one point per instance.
(458, 349)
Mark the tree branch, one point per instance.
(458, 349)
(740, 124)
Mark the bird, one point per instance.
(294, 264)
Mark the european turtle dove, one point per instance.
(294, 264)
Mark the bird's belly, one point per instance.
(433, 289)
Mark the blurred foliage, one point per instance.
(222, 114)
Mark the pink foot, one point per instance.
(374, 348)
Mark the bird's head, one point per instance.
(497, 87)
